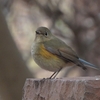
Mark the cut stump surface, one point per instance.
(82, 88)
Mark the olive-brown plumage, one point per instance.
(52, 54)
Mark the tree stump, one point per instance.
(82, 88)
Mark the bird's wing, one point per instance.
(60, 49)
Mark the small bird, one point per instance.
(52, 54)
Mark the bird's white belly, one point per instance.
(50, 64)
(47, 62)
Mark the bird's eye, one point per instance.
(46, 34)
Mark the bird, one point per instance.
(52, 54)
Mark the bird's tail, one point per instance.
(88, 64)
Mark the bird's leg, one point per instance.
(55, 74)
(52, 75)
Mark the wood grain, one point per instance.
(82, 88)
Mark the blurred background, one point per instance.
(76, 22)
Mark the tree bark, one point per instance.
(13, 70)
(82, 88)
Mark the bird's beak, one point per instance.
(37, 32)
